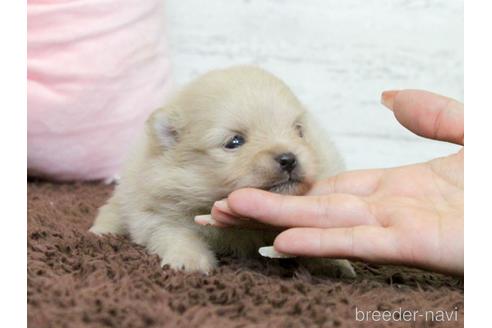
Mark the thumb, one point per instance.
(427, 114)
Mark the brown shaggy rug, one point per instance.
(76, 279)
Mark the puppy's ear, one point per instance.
(163, 126)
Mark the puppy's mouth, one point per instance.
(290, 186)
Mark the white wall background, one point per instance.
(337, 56)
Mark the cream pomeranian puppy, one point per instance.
(229, 129)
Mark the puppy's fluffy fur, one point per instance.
(182, 165)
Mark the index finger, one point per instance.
(334, 210)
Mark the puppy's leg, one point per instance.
(332, 267)
(108, 221)
(182, 248)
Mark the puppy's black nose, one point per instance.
(287, 161)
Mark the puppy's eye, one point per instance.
(235, 142)
(299, 130)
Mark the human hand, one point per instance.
(405, 215)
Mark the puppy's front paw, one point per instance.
(107, 222)
(190, 261)
(337, 268)
(346, 269)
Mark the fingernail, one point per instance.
(269, 251)
(222, 206)
(388, 98)
(205, 219)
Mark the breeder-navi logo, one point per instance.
(406, 315)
